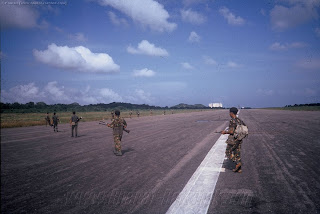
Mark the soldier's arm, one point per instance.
(230, 130)
(111, 125)
(124, 124)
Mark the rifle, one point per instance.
(104, 123)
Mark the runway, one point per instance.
(47, 172)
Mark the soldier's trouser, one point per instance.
(233, 152)
(117, 142)
(55, 126)
(74, 127)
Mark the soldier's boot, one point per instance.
(119, 153)
(238, 168)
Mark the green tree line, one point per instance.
(42, 107)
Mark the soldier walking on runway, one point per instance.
(47, 118)
(117, 124)
(55, 120)
(233, 145)
(74, 124)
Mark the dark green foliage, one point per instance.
(302, 105)
(42, 107)
(186, 106)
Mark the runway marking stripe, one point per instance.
(197, 194)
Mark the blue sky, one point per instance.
(247, 53)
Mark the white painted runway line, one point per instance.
(197, 194)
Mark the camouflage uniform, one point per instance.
(117, 125)
(55, 120)
(74, 126)
(233, 150)
(48, 120)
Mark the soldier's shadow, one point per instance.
(127, 150)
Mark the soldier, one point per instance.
(117, 124)
(233, 145)
(55, 120)
(138, 113)
(130, 114)
(74, 124)
(112, 114)
(47, 118)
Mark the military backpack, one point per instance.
(241, 130)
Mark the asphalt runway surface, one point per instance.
(47, 172)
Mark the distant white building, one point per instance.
(215, 105)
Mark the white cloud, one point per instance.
(231, 64)
(80, 37)
(144, 73)
(231, 18)
(116, 20)
(283, 18)
(21, 93)
(209, 61)
(76, 58)
(143, 96)
(53, 93)
(13, 15)
(192, 17)
(186, 65)
(147, 48)
(108, 95)
(148, 13)
(277, 46)
(194, 37)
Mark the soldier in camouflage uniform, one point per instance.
(233, 145)
(55, 120)
(117, 124)
(47, 118)
(74, 124)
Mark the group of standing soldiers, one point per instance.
(118, 124)
(55, 121)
